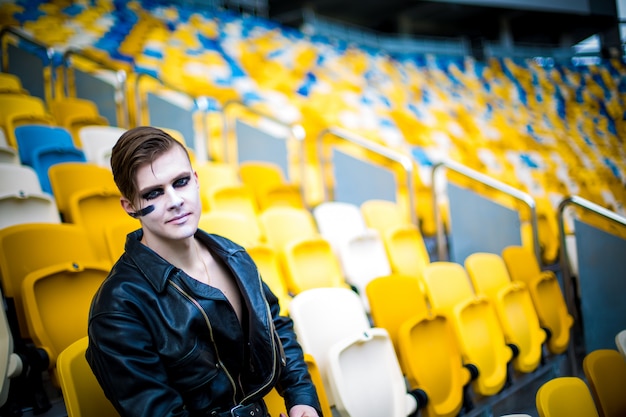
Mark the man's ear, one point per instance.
(127, 206)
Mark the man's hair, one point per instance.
(136, 147)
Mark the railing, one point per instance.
(490, 182)
(200, 103)
(121, 101)
(296, 132)
(404, 161)
(48, 52)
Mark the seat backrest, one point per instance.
(366, 378)
(565, 396)
(446, 285)
(82, 394)
(605, 370)
(31, 208)
(363, 259)
(20, 109)
(11, 83)
(95, 208)
(66, 178)
(407, 251)
(32, 137)
(339, 222)
(268, 263)
(323, 317)
(214, 175)
(311, 263)
(488, 273)
(244, 230)
(18, 179)
(115, 234)
(233, 198)
(45, 158)
(57, 301)
(382, 215)
(96, 141)
(394, 299)
(283, 224)
(521, 264)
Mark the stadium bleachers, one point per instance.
(550, 131)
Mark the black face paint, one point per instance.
(143, 212)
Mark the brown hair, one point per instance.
(136, 147)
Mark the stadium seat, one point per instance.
(74, 113)
(311, 263)
(213, 175)
(29, 247)
(115, 234)
(66, 178)
(425, 343)
(232, 198)
(272, 273)
(93, 209)
(269, 185)
(98, 141)
(19, 179)
(403, 241)
(44, 146)
(605, 370)
(82, 394)
(359, 368)
(57, 299)
(565, 396)
(11, 84)
(475, 321)
(546, 294)
(27, 208)
(281, 225)
(19, 109)
(513, 305)
(244, 230)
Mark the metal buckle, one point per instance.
(251, 413)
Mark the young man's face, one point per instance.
(170, 185)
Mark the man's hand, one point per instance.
(301, 411)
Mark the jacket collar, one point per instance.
(157, 270)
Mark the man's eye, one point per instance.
(181, 182)
(150, 195)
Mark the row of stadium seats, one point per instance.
(551, 131)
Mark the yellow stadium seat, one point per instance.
(11, 83)
(546, 294)
(244, 230)
(115, 236)
(57, 299)
(475, 322)
(605, 370)
(513, 305)
(73, 113)
(215, 174)
(233, 198)
(311, 263)
(281, 225)
(82, 394)
(269, 185)
(425, 343)
(269, 265)
(17, 110)
(67, 178)
(95, 208)
(565, 396)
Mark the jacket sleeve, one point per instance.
(128, 368)
(295, 383)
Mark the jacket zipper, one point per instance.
(208, 323)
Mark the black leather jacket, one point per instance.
(164, 344)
